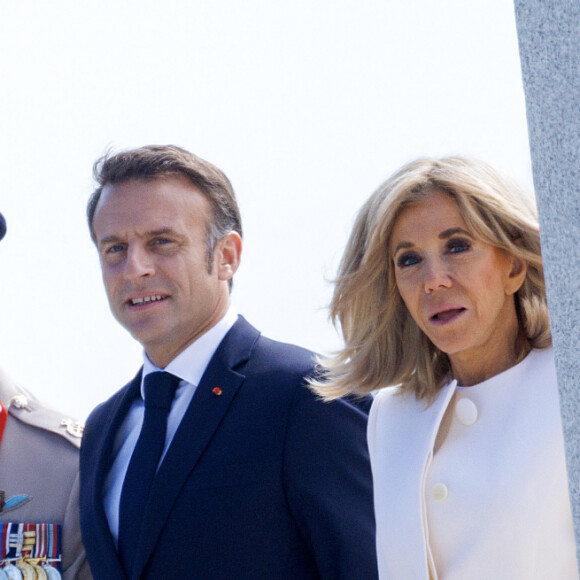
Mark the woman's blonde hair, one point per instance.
(383, 344)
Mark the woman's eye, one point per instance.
(162, 242)
(457, 245)
(407, 259)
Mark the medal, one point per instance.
(12, 572)
(51, 572)
(32, 550)
(39, 571)
(26, 570)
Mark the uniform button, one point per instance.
(19, 401)
(440, 493)
(466, 411)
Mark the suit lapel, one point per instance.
(212, 399)
(97, 472)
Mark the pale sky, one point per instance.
(307, 106)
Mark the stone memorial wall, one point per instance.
(549, 41)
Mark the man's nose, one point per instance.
(139, 263)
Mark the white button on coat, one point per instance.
(440, 493)
(466, 411)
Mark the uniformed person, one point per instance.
(39, 520)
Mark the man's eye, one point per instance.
(161, 241)
(407, 259)
(115, 249)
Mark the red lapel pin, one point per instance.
(217, 391)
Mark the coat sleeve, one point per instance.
(75, 565)
(328, 485)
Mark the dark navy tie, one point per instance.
(159, 390)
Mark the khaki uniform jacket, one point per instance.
(39, 458)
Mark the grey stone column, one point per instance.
(549, 39)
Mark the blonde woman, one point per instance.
(441, 299)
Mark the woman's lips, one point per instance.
(447, 315)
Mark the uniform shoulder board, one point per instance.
(25, 407)
(30, 411)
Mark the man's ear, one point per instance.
(228, 255)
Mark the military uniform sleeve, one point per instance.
(75, 565)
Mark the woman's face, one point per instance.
(458, 289)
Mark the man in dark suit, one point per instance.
(252, 476)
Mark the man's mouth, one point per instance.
(146, 299)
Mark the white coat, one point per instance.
(493, 501)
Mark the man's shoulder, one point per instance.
(288, 367)
(245, 346)
(285, 354)
(288, 364)
(34, 416)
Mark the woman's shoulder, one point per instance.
(387, 393)
(390, 404)
(539, 367)
(390, 397)
(394, 404)
(395, 397)
(542, 357)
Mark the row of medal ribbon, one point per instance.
(30, 551)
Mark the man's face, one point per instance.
(151, 238)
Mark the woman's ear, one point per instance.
(517, 275)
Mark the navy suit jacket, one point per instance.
(262, 482)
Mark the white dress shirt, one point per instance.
(189, 366)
